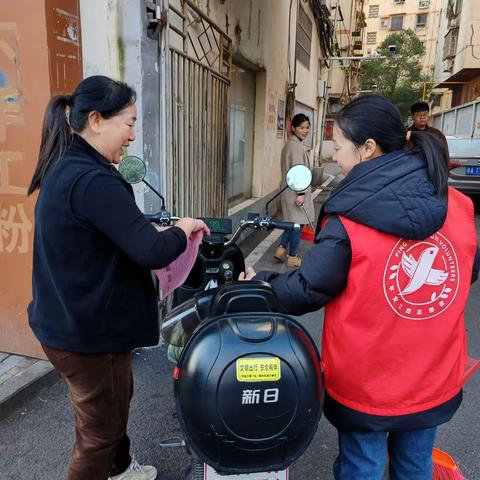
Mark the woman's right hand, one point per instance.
(248, 275)
(191, 225)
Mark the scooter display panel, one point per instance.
(219, 225)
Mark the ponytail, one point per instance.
(56, 137)
(436, 155)
(66, 114)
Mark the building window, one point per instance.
(423, 3)
(304, 38)
(396, 22)
(397, 2)
(373, 11)
(242, 123)
(421, 20)
(371, 38)
(450, 44)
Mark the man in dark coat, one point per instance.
(420, 112)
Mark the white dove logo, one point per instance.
(421, 277)
(421, 272)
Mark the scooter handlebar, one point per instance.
(162, 218)
(285, 225)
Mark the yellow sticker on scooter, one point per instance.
(258, 369)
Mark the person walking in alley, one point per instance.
(93, 296)
(396, 251)
(296, 207)
(420, 112)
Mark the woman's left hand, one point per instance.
(248, 275)
(299, 200)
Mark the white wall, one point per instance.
(111, 46)
(113, 32)
(263, 40)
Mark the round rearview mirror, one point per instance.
(132, 169)
(299, 178)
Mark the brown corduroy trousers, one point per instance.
(101, 387)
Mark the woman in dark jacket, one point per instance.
(93, 296)
(396, 251)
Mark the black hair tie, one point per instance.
(68, 100)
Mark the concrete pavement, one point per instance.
(35, 440)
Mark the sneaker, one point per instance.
(136, 472)
(293, 261)
(280, 253)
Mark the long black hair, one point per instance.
(68, 114)
(298, 119)
(374, 116)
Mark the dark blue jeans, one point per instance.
(291, 238)
(363, 455)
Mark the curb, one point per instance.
(21, 388)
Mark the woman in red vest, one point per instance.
(395, 254)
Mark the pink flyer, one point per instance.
(173, 275)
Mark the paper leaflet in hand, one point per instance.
(175, 274)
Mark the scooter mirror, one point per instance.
(132, 169)
(299, 178)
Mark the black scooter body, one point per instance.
(249, 387)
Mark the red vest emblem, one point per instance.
(421, 278)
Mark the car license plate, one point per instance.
(211, 474)
(472, 170)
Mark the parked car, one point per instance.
(464, 172)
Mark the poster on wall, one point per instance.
(309, 112)
(280, 118)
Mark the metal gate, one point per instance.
(195, 68)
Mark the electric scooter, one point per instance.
(248, 382)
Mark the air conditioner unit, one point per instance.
(384, 23)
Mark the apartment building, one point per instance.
(344, 80)
(384, 17)
(457, 64)
(349, 34)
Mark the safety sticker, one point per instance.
(258, 369)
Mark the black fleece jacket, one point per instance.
(93, 252)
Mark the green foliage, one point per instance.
(397, 78)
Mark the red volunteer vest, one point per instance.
(394, 341)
